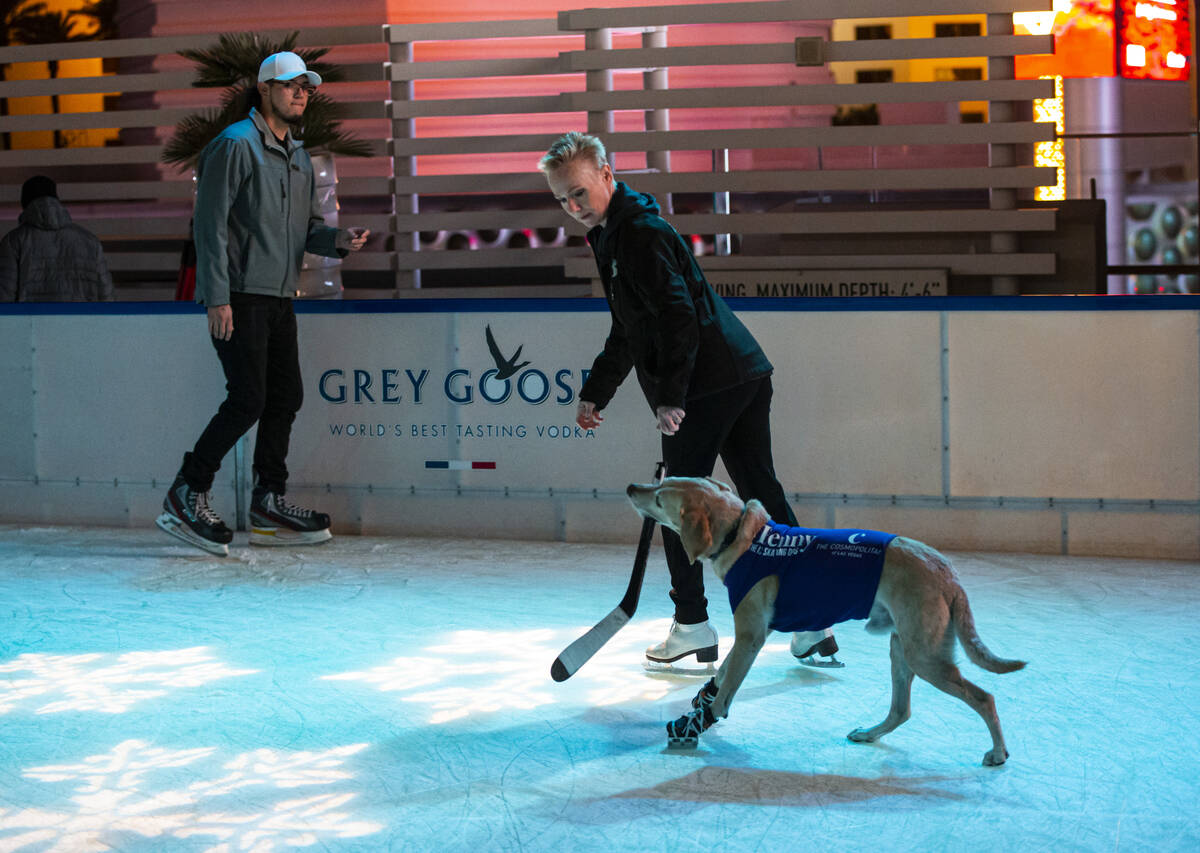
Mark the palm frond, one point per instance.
(235, 58)
(46, 28)
(190, 136)
(232, 63)
(100, 16)
(321, 129)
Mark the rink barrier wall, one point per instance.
(1032, 424)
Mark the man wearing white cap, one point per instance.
(256, 215)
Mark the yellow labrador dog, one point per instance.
(901, 586)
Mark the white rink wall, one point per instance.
(1033, 424)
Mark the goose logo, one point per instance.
(505, 367)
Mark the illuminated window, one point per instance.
(958, 74)
(956, 29)
(872, 32)
(873, 75)
(1051, 152)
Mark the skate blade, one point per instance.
(274, 536)
(682, 742)
(170, 524)
(667, 668)
(830, 662)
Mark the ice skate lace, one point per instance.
(203, 511)
(291, 510)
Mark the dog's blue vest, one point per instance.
(825, 576)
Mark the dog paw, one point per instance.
(994, 758)
(861, 736)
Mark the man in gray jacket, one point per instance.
(256, 215)
(47, 257)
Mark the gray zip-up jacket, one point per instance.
(48, 258)
(256, 214)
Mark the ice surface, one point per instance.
(380, 694)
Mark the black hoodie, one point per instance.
(667, 321)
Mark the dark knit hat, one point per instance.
(35, 188)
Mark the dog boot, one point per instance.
(699, 639)
(684, 733)
(706, 696)
(807, 645)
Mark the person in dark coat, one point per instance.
(47, 257)
(703, 374)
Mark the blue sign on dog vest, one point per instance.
(825, 576)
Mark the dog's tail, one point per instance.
(964, 627)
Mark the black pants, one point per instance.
(735, 425)
(262, 380)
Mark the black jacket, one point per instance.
(48, 258)
(667, 321)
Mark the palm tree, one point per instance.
(103, 15)
(233, 64)
(49, 28)
(12, 15)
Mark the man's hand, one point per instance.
(352, 239)
(669, 419)
(586, 415)
(220, 322)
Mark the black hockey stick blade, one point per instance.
(580, 652)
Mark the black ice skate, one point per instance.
(274, 521)
(186, 515)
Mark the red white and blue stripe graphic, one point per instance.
(459, 464)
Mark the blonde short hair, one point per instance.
(571, 145)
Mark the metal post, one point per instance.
(240, 481)
(999, 155)
(722, 242)
(403, 166)
(599, 122)
(655, 79)
(1093, 106)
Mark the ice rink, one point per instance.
(378, 694)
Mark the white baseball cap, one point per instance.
(285, 66)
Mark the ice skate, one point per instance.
(816, 648)
(683, 640)
(274, 521)
(187, 516)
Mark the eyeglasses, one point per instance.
(295, 88)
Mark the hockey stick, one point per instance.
(581, 651)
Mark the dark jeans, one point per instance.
(262, 380)
(736, 425)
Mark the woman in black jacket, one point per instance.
(704, 375)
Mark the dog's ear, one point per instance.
(695, 532)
